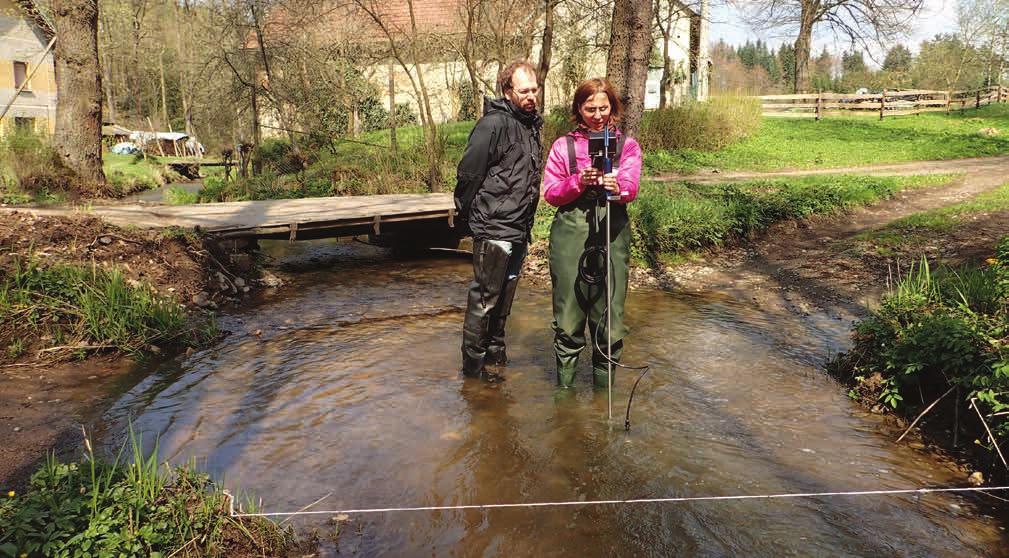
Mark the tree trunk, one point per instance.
(546, 51)
(802, 47)
(78, 137)
(627, 66)
(430, 128)
(393, 144)
(164, 92)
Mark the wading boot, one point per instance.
(601, 379)
(497, 356)
(472, 367)
(566, 374)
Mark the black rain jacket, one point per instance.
(498, 180)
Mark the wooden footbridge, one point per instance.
(403, 219)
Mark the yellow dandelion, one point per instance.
(11, 494)
(991, 261)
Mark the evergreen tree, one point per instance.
(898, 59)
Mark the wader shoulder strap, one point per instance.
(572, 162)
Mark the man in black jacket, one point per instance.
(496, 195)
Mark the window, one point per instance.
(20, 75)
(23, 124)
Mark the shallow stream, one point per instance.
(347, 384)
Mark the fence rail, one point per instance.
(886, 104)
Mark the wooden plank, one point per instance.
(766, 106)
(790, 114)
(795, 96)
(276, 213)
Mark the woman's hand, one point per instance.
(609, 182)
(589, 176)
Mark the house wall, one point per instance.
(22, 41)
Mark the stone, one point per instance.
(201, 299)
(976, 478)
(270, 280)
(106, 240)
(239, 282)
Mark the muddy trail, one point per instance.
(809, 264)
(979, 165)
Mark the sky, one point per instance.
(727, 23)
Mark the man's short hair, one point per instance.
(504, 79)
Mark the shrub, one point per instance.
(30, 165)
(705, 126)
(933, 330)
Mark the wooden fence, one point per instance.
(885, 104)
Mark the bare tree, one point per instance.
(546, 49)
(667, 15)
(78, 137)
(862, 22)
(396, 38)
(630, 49)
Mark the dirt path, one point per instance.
(809, 265)
(980, 165)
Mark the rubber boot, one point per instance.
(601, 379)
(496, 354)
(566, 373)
(490, 268)
(472, 367)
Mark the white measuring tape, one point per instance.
(915, 491)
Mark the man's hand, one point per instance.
(589, 176)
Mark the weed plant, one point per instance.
(87, 307)
(934, 330)
(129, 506)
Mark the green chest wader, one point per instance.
(576, 227)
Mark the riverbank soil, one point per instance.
(44, 398)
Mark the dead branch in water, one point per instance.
(923, 413)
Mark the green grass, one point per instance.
(671, 220)
(180, 196)
(129, 507)
(908, 231)
(84, 308)
(782, 143)
(130, 173)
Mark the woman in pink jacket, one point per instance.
(580, 191)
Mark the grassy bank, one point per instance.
(940, 335)
(783, 143)
(673, 220)
(79, 308)
(73, 286)
(131, 173)
(130, 506)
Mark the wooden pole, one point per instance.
(819, 105)
(155, 136)
(882, 104)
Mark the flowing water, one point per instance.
(346, 384)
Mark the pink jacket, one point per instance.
(561, 188)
